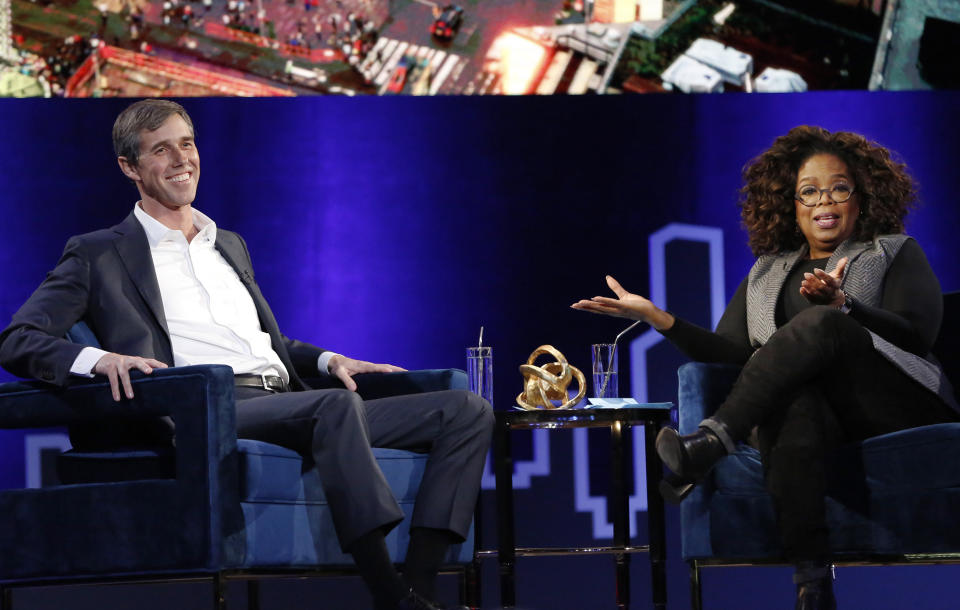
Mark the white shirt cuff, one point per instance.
(323, 362)
(86, 360)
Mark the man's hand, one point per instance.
(822, 288)
(117, 369)
(345, 368)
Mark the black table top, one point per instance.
(583, 418)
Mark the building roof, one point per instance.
(778, 80)
(896, 64)
(728, 61)
(132, 74)
(691, 76)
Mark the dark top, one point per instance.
(911, 292)
(791, 302)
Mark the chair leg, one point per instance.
(219, 592)
(6, 599)
(696, 599)
(470, 585)
(253, 594)
(472, 572)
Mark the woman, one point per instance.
(833, 327)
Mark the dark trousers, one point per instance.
(335, 430)
(818, 382)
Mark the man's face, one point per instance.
(169, 166)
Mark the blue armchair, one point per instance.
(212, 507)
(889, 497)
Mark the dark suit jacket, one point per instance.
(106, 278)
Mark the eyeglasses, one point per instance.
(811, 195)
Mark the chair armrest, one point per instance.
(703, 387)
(380, 385)
(197, 514)
(175, 391)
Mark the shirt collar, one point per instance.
(156, 231)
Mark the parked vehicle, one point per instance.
(445, 26)
(399, 77)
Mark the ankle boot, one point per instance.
(689, 457)
(814, 586)
(675, 489)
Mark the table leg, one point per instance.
(620, 436)
(253, 594)
(655, 519)
(506, 547)
(472, 582)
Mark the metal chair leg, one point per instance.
(472, 573)
(219, 592)
(253, 594)
(696, 599)
(471, 585)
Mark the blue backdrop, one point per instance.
(393, 228)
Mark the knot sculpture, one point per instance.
(544, 384)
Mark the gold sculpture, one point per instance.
(543, 385)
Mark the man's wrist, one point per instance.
(323, 362)
(86, 360)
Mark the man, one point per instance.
(166, 287)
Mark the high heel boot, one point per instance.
(690, 457)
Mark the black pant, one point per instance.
(335, 429)
(818, 382)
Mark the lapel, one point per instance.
(767, 282)
(134, 251)
(231, 248)
(766, 290)
(852, 250)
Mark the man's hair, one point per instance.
(147, 114)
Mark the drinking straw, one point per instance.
(480, 363)
(613, 352)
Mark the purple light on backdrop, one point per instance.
(921, 127)
(393, 228)
(363, 197)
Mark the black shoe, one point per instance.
(675, 489)
(817, 594)
(689, 457)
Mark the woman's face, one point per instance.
(826, 224)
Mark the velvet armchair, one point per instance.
(892, 499)
(212, 507)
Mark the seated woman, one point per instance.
(833, 326)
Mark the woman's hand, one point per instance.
(823, 288)
(627, 305)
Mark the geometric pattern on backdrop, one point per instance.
(660, 290)
(35, 444)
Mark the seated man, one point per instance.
(166, 287)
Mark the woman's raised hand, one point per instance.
(823, 288)
(626, 305)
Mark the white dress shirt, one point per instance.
(210, 316)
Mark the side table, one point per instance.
(620, 421)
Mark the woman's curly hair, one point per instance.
(884, 189)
